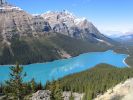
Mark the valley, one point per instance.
(42, 38)
(43, 72)
(34, 50)
(60, 56)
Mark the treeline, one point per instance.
(95, 81)
(16, 89)
(91, 82)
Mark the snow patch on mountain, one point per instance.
(64, 22)
(64, 16)
(78, 20)
(103, 41)
(8, 7)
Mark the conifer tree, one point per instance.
(15, 86)
(33, 85)
(39, 86)
(47, 86)
(1, 88)
(56, 93)
(71, 97)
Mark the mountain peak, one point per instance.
(8, 7)
(5, 6)
(16, 22)
(63, 16)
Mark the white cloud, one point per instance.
(110, 29)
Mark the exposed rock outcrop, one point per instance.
(68, 24)
(41, 95)
(45, 95)
(77, 96)
(122, 91)
(45, 37)
(15, 22)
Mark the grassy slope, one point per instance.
(96, 80)
(42, 49)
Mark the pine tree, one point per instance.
(71, 97)
(47, 86)
(15, 86)
(33, 85)
(1, 88)
(56, 93)
(39, 86)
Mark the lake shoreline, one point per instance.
(124, 61)
(63, 67)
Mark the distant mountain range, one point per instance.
(127, 38)
(36, 38)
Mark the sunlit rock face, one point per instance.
(122, 91)
(45, 95)
(68, 24)
(15, 22)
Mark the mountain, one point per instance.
(126, 39)
(15, 21)
(113, 34)
(28, 38)
(68, 24)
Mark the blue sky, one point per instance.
(107, 15)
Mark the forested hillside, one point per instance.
(29, 50)
(91, 82)
(95, 81)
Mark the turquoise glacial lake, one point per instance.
(42, 72)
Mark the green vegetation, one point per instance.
(56, 92)
(71, 97)
(95, 80)
(15, 88)
(126, 49)
(33, 85)
(15, 85)
(34, 50)
(75, 47)
(29, 50)
(92, 82)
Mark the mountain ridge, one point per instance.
(18, 21)
(30, 39)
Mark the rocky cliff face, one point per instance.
(16, 22)
(40, 25)
(68, 24)
(41, 38)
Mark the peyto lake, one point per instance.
(56, 69)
